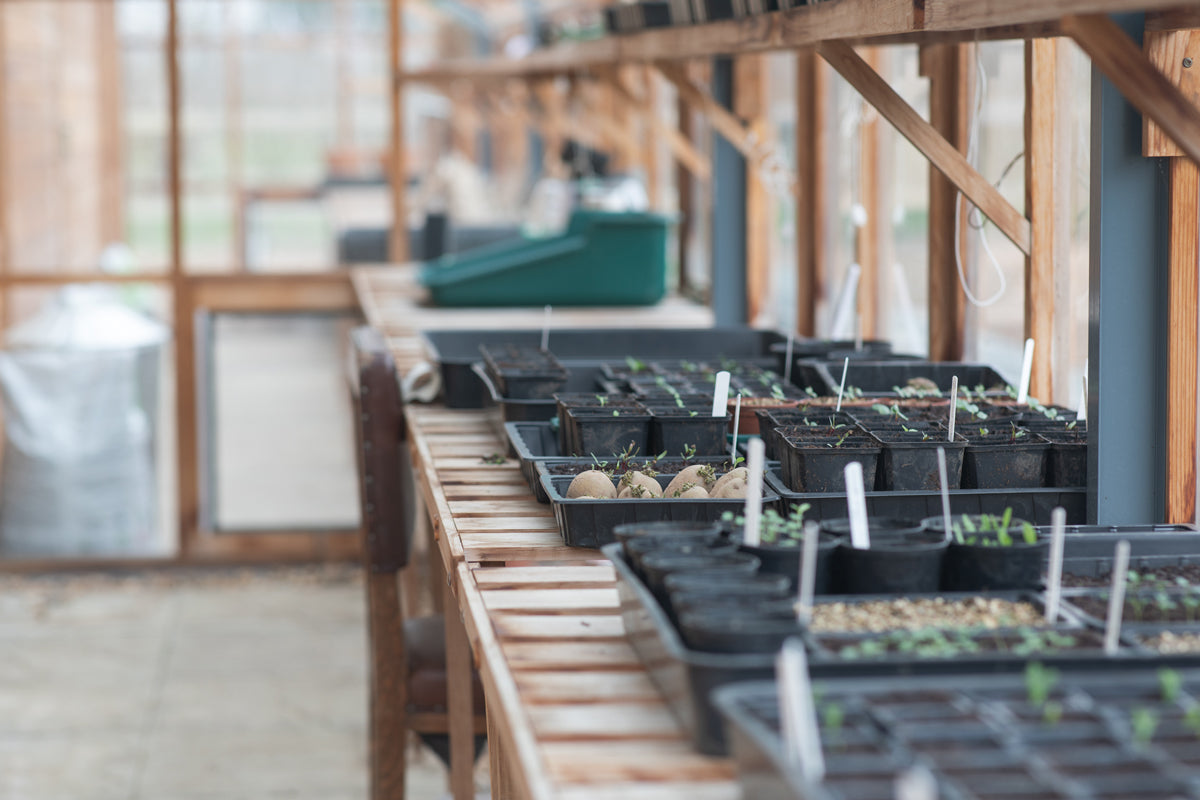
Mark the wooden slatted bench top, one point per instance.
(576, 715)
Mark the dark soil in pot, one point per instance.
(783, 560)
(602, 431)
(779, 607)
(1157, 607)
(909, 460)
(771, 420)
(675, 429)
(902, 559)
(1004, 458)
(716, 632)
(987, 554)
(815, 462)
(524, 373)
(639, 547)
(1067, 463)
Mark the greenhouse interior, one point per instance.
(599, 399)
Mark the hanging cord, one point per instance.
(974, 217)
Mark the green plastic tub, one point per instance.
(603, 259)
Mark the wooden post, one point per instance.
(866, 237)
(398, 244)
(950, 69)
(684, 187)
(1176, 53)
(186, 402)
(111, 194)
(1040, 207)
(749, 86)
(809, 121)
(650, 138)
(1182, 319)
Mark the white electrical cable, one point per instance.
(972, 147)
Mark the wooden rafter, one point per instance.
(681, 148)
(941, 154)
(1040, 103)
(1145, 87)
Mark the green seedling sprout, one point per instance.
(777, 392)
(494, 458)
(1191, 718)
(1169, 685)
(616, 413)
(1143, 722)
(602, 400)
(808, 390)
(635, 366)
(1040, 681)
(833, 717)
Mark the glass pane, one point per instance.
(280, 435)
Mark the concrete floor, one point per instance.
(188, 686)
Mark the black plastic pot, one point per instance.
(1067, 463)
(638, 548)
(669, 531)
(996, 461)
(524, 373)
(778, 607)
(773, 423)
(978, 567)
(903, 558)
(811, 464)
(908, 462)
(656, 566)
(784, 560)
(675, 429)
(730, 632)
(603, 431)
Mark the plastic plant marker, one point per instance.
(1058, 537)
(752, 513)
(1116, 600)
(953, 409)
(721, 395)
(1026, 372)
(842, 388)
(737, 421)
(546, 329)
(787, 359)
(941, 454)
(808, 571)
(1081, 414)
(797, 712)
(916, 783)
(858, 334)
(856, 505)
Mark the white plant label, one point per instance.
(1026, 373)
(546, 329)
(1116, 600)
(842, 388)
(945, 483)
(953, 407)
(1058, 537)
(737, 424)
(1081, 414)
(798, 712)
(721, 395)
(752, 512)
(856, 506)
(916, 783)
(787, 358)
(808, 571)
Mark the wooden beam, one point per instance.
(949, 161)
(749, 97)
(1040, 205)
(949, 70)
(681, 146)
(809, 121)
(1167, 51)
(867, 236)
(1146, 89)
(398, 163)
(111, 194)
(650, 137)
(1183, 326)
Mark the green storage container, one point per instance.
(603, 259)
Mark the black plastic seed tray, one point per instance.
(456, 350)
(580, 378)
(1088, 550)
(879, 378)
(1033, 505)
(590, 523)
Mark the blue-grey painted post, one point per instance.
(1127, 312)
(729, 214)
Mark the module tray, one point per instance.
(588, 522)
(456, 350)
(1033, 505)
(879, 378)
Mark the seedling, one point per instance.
(833, 717)
(1191, 718)
(842, 439)
(1169, 685)
(689, 452)
(1040, 681)
(635, 366)
(777, 392)
(602, 400)
(494, 458)
(1143, 722)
